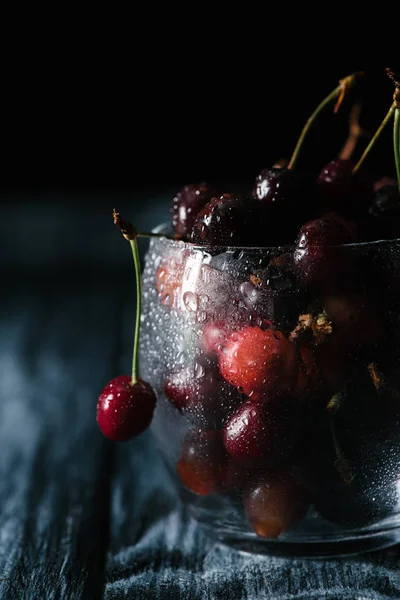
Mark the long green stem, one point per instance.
(135, 359)
(396, 143)
(375, 137)
(339, 91)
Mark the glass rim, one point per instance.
(162, 234)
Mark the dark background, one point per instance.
(83, 136)
(210, 117)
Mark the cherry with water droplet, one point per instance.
(275, 503)
(259, 362)
(318, 255)
(343, 191)
(201, 394)
(290, 197)
(187, 204)
(124, 410)
(260, 433)
(126, 405)
(203, 465)
(231, 220)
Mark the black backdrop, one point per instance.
(177, 119)
(82, 136)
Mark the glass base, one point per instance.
(302, 544)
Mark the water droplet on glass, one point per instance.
(199, 370)
(203, 231)
(190, 301)
(166, 299)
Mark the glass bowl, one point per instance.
(277, 377)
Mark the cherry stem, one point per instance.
(355, 133)
(396, 143)
(395, 77)
(341, 464)
(135, 359)
(340, 92)
(375, 137)
(130, 234)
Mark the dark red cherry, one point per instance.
(231, 220)
(274, 504)
(355, 319)
(186, 205)
(273, 293)
(384, 213)
(310, 383)
(260, 432)
(290, 196)
(342, 191)
(204, 466)
(201, 394)
(259, 362)
(318, 255)
(125, 410)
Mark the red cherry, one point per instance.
(342, 190)
(203, 465)
(318, 256)
(274, 504)
(355, 318)
(201, 394)
(186, 205)
(260, 432)
(259, 362)
(124, 410)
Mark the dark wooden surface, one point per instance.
(80, 517)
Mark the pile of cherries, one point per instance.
(291, 398)
(304, 329)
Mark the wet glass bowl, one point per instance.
(278, 385)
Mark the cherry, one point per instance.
(260, 432)
(259, 362)
(356, 320)
(125, 410)
(318, 256)
(273, 292)
(341, 190)
(203, 465)
(310, 383)
(187, 203)
(384, 212)
(290, 197)
(275, 504)
(231, 220)
(201, 394)
(334, 362)
(125, 406)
